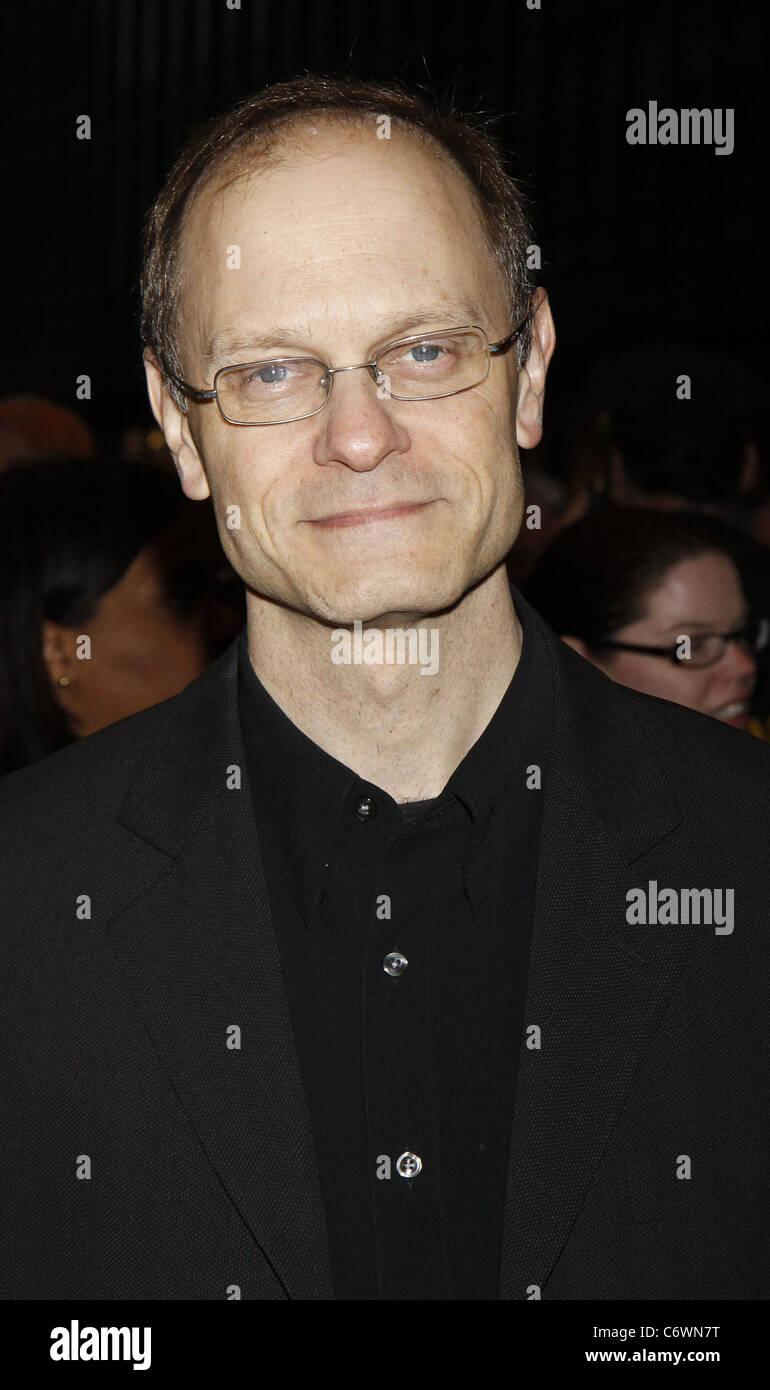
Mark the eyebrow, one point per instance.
(230, 342)
(700, 625)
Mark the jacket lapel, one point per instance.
(596, 985)
(200, 953)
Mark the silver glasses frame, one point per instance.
(492, 349)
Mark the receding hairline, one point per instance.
(268, 146)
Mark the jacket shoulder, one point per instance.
(719, 775)
(100, 767)
(60, 811)
(685, 730)
(701, 754)
(103, 760)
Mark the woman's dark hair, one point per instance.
(68, 532)
(596, 575)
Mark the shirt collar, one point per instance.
(300, 792)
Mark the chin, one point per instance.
(375, 597)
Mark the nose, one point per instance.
(357, 427)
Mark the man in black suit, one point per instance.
(403, 955)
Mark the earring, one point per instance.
(64, 680)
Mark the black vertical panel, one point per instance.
(258, 29)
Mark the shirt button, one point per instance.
(394, 963)
(408, 1165)
(366, 808)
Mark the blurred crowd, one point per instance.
(650, 549)
(101, 557)
(645, 544)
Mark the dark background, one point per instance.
(638, 242)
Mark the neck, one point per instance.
(398, 729)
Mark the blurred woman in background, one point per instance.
(114, 552)
(624, 586)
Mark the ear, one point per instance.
(531, 391)
(57, 650)
(175, 424)
(58, 658)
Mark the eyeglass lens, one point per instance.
(707, 648)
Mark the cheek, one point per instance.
(138, 644)
(488, 422)
(656, 677)
(684, 687)
(149, 650)
(703, 685)
(678, 678)
(248, 486)
(691, 687)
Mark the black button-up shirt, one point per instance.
(409, 1068)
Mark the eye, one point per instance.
(426, 352)
(272, 374)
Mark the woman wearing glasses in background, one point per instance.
(655, 600)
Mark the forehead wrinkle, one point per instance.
(235, 338)
(212, 202)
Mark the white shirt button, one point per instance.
(395, 963)
(408, 1164)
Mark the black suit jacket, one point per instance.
(143, 1157)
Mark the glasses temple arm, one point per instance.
(507, 342)
(190, 390)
